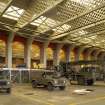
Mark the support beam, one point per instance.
(68, 52)
(75, 17)
(96, 54)
(88, 53)
(78, 43)
(8, 5)
(86, 35)
(101, 56)
(56, 57)
(75, 30)
(9, 50)
(32, 13)
(77, 56)
(27, 53)
(43, 54)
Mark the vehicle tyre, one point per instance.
(50, 87)
(62, 87)
(8, 90)
(90, 82)
(34, 84)
(45, 86)
(81, 80)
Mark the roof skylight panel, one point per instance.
(82, 32)
(39, 21)
(50, 22)
(13, 13)
(87, 3)
(42, 27)
(61, 29)
(93, 37)
(66, 27)
(2, 6)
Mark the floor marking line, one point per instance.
(88, 101)
(96, 99)
(73, 104)
(33, 99)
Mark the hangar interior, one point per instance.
(42, 34)
(35, 32)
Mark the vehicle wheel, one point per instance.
(62, 87)
(8, 90)
(50, 87)
(45, 86)
(90, 82)
(34, 84)
(81, 80)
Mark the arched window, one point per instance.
(18, 49)
(81, 57)
(35, 55)
(2, 52)
(72, 56)
(62, 55)
(89, 57)
(17, 53)
(2, 48)
(49, 53)
(35, 52)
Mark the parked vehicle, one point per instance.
(73, 71)
(86, 76)
(5, 83)
(50, 80)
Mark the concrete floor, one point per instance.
(25, 95)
